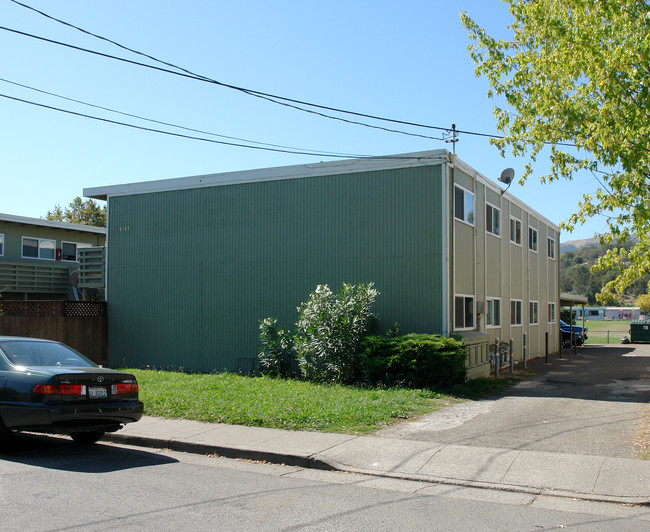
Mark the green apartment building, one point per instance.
(37, 256)
(194, 263)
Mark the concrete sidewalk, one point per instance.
(587, 477)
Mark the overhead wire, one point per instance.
(273, 98)
(171, 133)
(171, 124)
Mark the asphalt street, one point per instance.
(52, 485)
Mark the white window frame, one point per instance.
(2, 244)
(39, 247)
(467, 217)
(493, 312)
(513, 316)
(551, 248)
(78, 245)
(533, 243)
(494, 209)
(551, 312)
(533, 312)
(465, 326)
(516, 221)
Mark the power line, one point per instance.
(280, 100)
(170, 133)
(208, 80)
(252, 92)
(171, 124)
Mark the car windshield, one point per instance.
(29, 353)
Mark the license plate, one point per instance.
(97, 392)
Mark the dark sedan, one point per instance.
(46, 386)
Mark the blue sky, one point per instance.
(406, 60)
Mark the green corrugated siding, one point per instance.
(191, 272)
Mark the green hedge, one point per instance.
(413, 360)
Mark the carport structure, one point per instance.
(571, 300)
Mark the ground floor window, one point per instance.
(515, 312)
(493, 318)
(463, 312)
(551, 312)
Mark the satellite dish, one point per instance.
(74, 278)
(507, 176)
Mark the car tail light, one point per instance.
(124, 387)
(60, 389)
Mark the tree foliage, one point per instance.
(575, 75)
(329, 331)
(80, 212)
(643, 302)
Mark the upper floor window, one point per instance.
(464, 312)
(532, 239)
(515, 231)
(492, 219)
(533, 315)
(69, 250)
(2, 245)
(551, 248)
(464, 205)
(39, 248)
(493, 317)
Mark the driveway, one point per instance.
(589, 403)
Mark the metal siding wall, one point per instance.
(192, 272)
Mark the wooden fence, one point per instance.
(79, 324)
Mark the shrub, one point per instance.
(329, 331)
(277, 356)
(414, 360)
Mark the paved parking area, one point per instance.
(589, 403)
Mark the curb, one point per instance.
(311, 462)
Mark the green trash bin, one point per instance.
(640, 331)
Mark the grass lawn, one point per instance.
(606, 331)
(289, 404)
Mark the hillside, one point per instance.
(574, 245)
(576, 277)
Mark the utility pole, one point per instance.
(452, 137)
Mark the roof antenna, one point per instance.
(506, 177)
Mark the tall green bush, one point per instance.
(277, 356)
(414, 361)
(329, 331)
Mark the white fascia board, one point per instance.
(346, 166)
(52, 223)
(493, 186)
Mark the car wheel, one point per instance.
(566, 342)
(87, 438)
(5, 435)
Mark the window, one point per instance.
(493, 318)
(464, 312)
(533, 315)
(551, 248)
(69, 250)
(492, 219)
(532, 239)
(593, 313)
(515, 231)
(464, 205)
(515, 312)
(2, 245)
(39, 248)
(551, 312)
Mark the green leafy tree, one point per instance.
(643, 302)
(329, 331)
(575, 75)
(80, 212)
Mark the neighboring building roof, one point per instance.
(345, 166)
(52, 223)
